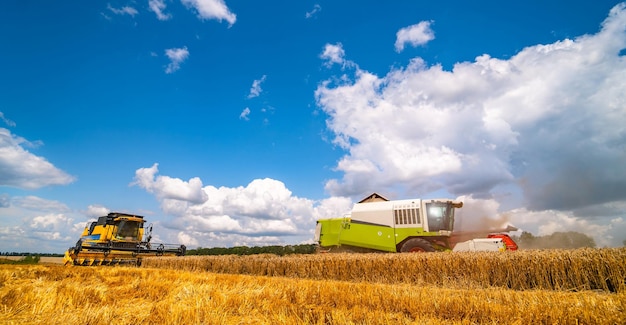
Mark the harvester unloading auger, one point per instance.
(117, 238)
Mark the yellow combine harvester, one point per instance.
(117, 239)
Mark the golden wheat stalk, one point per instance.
(122, 295)
(583, 269)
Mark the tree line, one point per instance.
(562, 240)
(29, 259)
(30, 254)
(244, 250)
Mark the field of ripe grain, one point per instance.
(572, 270)
(36, 294)
(43, 259)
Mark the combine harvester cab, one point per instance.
(117, 239)
(377, 224)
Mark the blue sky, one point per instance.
(241, 123)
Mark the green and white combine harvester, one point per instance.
(415, 225)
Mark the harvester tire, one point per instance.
(416, 245)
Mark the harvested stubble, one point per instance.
(572, 270)
(122, 295)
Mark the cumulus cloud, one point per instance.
(256, 90)
(546, 123)
(50, 226)
(166, 188)
(176, 56)
(22, 169)
(215, 239)
(211, 9)
(158, 7)
(187, 240)
(35, 203)
(95, 211)
(34, 224)
(265, 208)
(126, 10)
(38, 225)
(415, 35)
(316, 8)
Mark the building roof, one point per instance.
(374, 197)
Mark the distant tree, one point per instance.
(525, 240)
(570, 239)
(563, 240)
(244, 250)
(28, 259)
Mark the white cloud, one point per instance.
(4, 200)
(96, 211)
(6, 120)
(266, 199)
(546, 123)
(214, 239)
(158, 7)
(333, 53)
(316, 8)
(22, 169)
(50, 222)
(264, 208)
(211, 9)
(187, 240)
(256, 90)
(37, 225)
(332, 207)
(35, 203)
(487, 122)
(166, 188)
(176, 56)
(259, 226)
(193, 223)
(126, 10)
(415, 35)
(244, 114)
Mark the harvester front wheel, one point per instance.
(416, 245)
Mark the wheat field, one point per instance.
(320, 289)
(581, 269)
